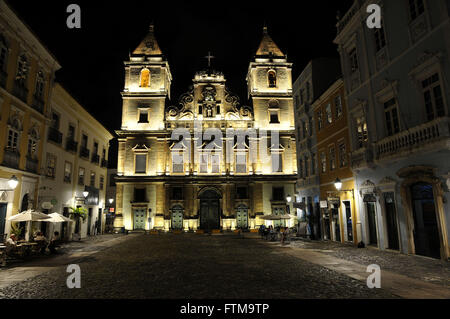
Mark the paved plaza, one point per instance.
(220, 266)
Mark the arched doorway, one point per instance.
(177, 217)
(242, 217)
(426, 232)
(209, 210)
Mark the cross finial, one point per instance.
(209, 57)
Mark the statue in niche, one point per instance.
(209, 112)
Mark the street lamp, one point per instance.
(85, 194)
(338, 184)
(288, 198)
(12, 183)
(111, 200)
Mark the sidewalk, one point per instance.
(406, 276)
(71, 252)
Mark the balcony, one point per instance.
(20, 91)
(415, 140)
(32, 165)
(54, 135)
(38, 104)
(95, 159)
(342, 23)
(104, 163)
(11, 158)
(84, 152)
(71, 145)
(3, 78)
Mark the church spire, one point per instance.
(267, 46)
(149, 46)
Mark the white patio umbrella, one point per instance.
(28, 216)
(58, 218)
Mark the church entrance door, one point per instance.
(177, 218)
(139, 218)
(209, 211)
(242, 217)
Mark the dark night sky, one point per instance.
(92, 57)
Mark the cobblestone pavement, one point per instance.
(196, 267)
(426, 269)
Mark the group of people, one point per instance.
(12, 244)
(272, 234)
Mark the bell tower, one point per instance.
(147, 86)
(269, 83)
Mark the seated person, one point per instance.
(11, 244)
(54, 242)
(41, 241)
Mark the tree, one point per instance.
(77, 214)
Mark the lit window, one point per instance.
(361, 131)
(323, 162)
(68, 172)
(92, 181)
(81, 176)
(319, 120)
(145, 78)
(329, 114)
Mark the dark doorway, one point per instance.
(391, 221)
(372, 223)
(23, 207)
(89, 222)
(209, 211)
(44, 227)
(426, 232)
(337, 224)
(326, 226)
(348, 221)
(3, 210)
(64, 225)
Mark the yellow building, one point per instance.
(340, 219)
(206, 162)
(26, 74)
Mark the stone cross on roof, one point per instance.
(209, 57)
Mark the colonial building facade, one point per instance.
(27, 71)
(75, 161)
(398, 95)
(340, 218)
(314, 80)
(209, 162)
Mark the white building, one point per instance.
(75, 161)
(397, 82)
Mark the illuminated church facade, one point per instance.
(206, 162)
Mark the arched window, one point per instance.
(3, 53)
(272, 77)
(145, 78)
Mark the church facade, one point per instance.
(206, 162)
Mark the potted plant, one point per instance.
(16, 230)
(78, 214)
